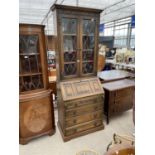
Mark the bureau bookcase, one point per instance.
(80, 95)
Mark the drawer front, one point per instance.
(83, 127)
(83, 102)
(123, 92)
(83, 110)
(84, 118)
(126, 100)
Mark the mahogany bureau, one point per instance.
(119, 96)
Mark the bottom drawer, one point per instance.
(83, 127)
(84, 118)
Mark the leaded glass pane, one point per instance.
(69, 43)
(87, 67)
(30, 66)
(88, 55)
(88, 46)
(69, 25)
(88, 26)
(70, 56)
(28, 43)
(70, 69)
(25, 64)
(88, 42)
(28, 83)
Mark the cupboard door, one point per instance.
(69, 48)
(88, 46)
(30, 70)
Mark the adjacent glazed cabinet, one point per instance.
(36, 108)
(77, 32)
(79, 92)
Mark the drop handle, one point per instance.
(78, 49)
(95, 124)
(74, 113)
(95, 108)
(75, 130)
(95, 115)
(74, 121)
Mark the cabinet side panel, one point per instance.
(60, 110)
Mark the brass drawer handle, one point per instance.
(95, 115)
(95, 108)
(74, 113)
(75, 130)
(95, 100)
(95, 124)
(74, 121)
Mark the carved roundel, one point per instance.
(36, 116)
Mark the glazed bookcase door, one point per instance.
(88, 45)
(30, 69)
(69, 48)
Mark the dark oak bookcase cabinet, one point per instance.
(76, 60)
(36, 115)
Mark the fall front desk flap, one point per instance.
(80, 88)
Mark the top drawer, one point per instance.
(83, 102)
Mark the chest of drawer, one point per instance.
(83, 102)
(83, 110)
(83, 127)
(83, 118)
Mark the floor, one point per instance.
(98, 141)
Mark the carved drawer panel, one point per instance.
(83, 127)
(84, 118)
(83, 102)
(83, 110)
